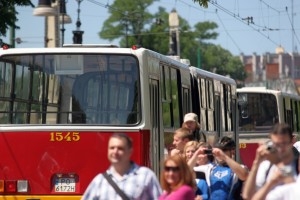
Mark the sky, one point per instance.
(244, 26)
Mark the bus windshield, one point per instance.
(69, 89)
(257, 111)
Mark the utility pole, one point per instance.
(77, 34)
(174, 45)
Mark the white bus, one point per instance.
(259, 110)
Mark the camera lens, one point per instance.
(270, 146)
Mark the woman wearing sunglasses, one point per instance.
(177, 180)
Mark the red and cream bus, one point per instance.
(59, 106)
(259, 110)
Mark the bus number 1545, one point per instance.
(64, 136)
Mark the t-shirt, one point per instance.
(202, 189)
(182, 193)
(206, 170)
(297, 145)
(265, 171)
(221, 180)
(286, 192)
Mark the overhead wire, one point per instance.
(236, 45)
(249, 23)
(270, 6)
(293, 29)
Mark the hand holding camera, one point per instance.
(270, 146)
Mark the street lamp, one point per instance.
(55, 14)
(77, 34)
(63, 19)
(174, 47)
(44, 9)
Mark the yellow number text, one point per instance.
(64, 136)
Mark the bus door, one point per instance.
(156, 136)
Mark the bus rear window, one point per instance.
(257, 111)
(69, 89)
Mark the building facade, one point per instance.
(277, 70)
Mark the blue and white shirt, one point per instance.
(139, 183)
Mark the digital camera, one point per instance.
(208, 151)
(270, 146)
(286, 170)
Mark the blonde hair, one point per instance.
(193, 144)
(186, 175)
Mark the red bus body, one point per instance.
(61, 154)
(59, 107)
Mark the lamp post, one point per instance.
(174, 45)
(55, 14)
(77, 34)
(63, 19)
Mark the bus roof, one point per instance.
(92, 49)
(204, 73)
(265, 90)
(66, 50)
(90, 45)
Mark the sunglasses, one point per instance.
(173, 169)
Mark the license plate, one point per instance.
(65, 185)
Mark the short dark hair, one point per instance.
(123, 136)
(282, 129)
(226, 143)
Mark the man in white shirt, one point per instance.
(289, 191)
(136, 182)
(271, 158)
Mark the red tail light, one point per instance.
(11, 186)
(14, 186)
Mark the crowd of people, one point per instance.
(198, 170)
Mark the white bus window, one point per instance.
(107, 88)
(4, 112)
(210, 94)
(210, 110)
(203, 93)
(175, 99)
(166, 101)
(22, 82)
(257, 111)
(5, 79)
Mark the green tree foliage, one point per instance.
(221, 61)
(203, 3)
(8, 14)
(128, 18)
(152, 32)
(157, 37)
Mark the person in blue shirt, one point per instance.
(224, 177)
(195, 160)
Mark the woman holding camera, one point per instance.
(192, 158)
